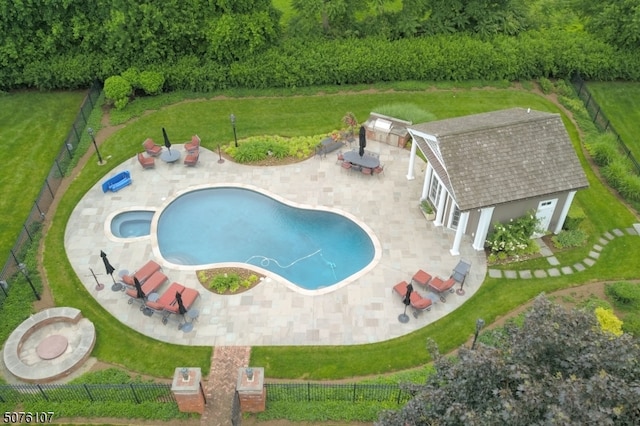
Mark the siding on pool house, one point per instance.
(492, 167)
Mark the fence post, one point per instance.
(187, 389)
(46, 181)
(42, 392)
(86, 388)
(595, 117)
(353, 399)
(133, 390)
(250, 389)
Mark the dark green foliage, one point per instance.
(616, 171)
(624, 293)
(557, 368)
(631, 324)
(117, 90)
(151, 82)
(572, 238)
(603, 149)
(546, 85)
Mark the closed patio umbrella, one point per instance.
(363, 140)
(185, 326)
(167, 143)
(107, 266)
(403, 317)
(139, 293)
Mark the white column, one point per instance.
(483, 228)
(462, 227)
(440, 207)
(412, 159)
(565, 211)
(427, 182)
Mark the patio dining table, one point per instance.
(367, 160)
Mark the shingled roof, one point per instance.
(502, 156)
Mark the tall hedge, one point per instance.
(296, 63)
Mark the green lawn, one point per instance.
(621, 103)
(33, 127)
(312, 115)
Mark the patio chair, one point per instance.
(421, 277)
(440, 286)
(378, 170)
(460, 272)
(192, 158)
(142, 274)
(189, 297)
(194, 145)
(151, 148)
(151, 285)
(346, 165)
(366, 171)
(146, 162)
(418, 303)
(167, 298)
(339, 157)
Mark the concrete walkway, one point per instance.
(556, 268)
(361, 310)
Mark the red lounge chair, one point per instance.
(150, 286)
(421, 277)
(167, 298)
(189, 297)
(146, 162)
(192, 158)
(151, 148)
(439, 286)
(418, 303)
(142, 274)
(194, 145)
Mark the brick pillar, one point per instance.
(251, 390)
(187, 389)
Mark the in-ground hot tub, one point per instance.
(132, 224)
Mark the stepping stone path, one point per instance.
(556, 269)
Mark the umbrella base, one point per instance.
(116, 287)
(99, 287)
(403, 318)
(460, 292)
(186, 327)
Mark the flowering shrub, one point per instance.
(514, 238)
(350, 121)
(609, 322)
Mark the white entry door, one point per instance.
(544, 213)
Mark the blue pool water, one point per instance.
(310, 248)
(131, 224)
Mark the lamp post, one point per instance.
(220, 159)
(90, 131)
(479, 325)
(25, 272)
(233, 124)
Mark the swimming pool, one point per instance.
(310, 248)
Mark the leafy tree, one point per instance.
(325, 17)
(558, 367)
(616, 21)
(483, 17)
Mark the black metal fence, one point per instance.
(132, 392)
(50, 187)
(321, 392)
(600, 119)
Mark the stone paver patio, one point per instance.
(363, 310)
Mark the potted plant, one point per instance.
(427, 210)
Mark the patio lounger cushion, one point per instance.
(418, 303)
(189, 297)
(167, 298)
(421, 277)
(438, 285)
(142, 274)
(150, 285)
(193, 145)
